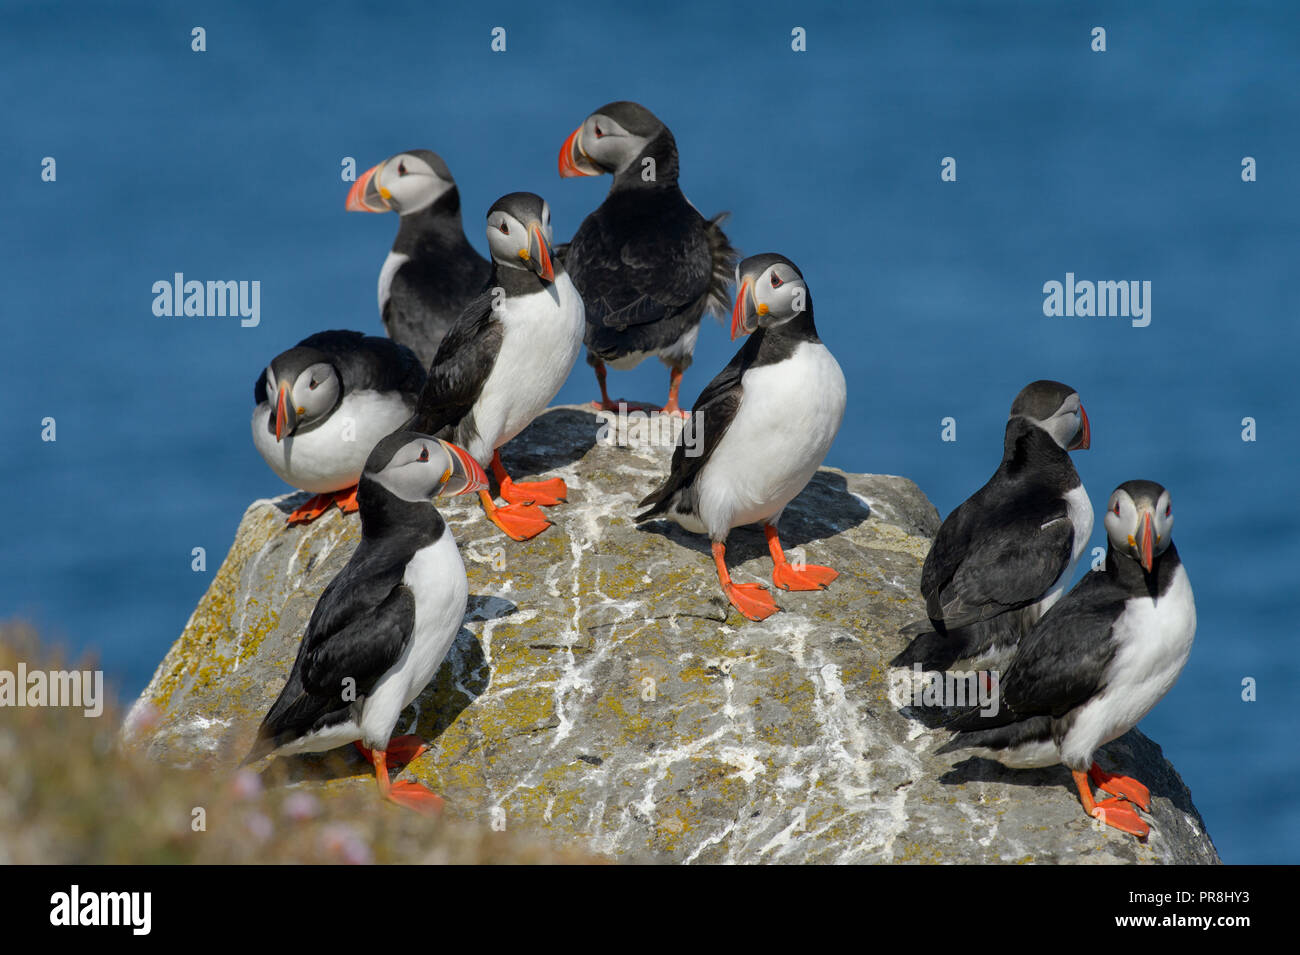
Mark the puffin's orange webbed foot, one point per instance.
(346, 499)
(408, 794)
(752, 600)
(1124, 786)
(545, 493)
(806, 577)
(312, 509)
(1119, 814)
(521, 522)
(414, 796)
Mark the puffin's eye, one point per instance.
(505, 229)
(424, 453)
(599, 134)
(1117, 508)
(776, 281)
(313, 384)
(401, 168)
(1169, 510)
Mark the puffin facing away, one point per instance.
(384, 624)
(767, 421)
(1006, 554)
(506, 357)
(647, 264)
(323, 404)
(432, 272)
(1098, 661)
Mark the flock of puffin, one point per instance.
(477, 349)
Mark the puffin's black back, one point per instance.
(364, 363)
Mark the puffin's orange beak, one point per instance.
(467, 476)
(540, 253)
(1085, 434)
(1147, 543)
(740, 311)
(573, 161)
(282, 413)
(362, 197)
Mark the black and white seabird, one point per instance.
(647, 264)
(506, 357)
(1007, 553)
(323, 404)
(767, 421)
(1098, 661)
(432, 272)
(384, 624)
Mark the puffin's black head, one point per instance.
(303, 387)
(405, 183)
(519, 233)
(416, 467)
(610, 139)
(770, 290)
(1140, 521)
(1056, 409)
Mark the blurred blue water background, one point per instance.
(1123, 165)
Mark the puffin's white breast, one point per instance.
(1153, 639)
(330, 456)
(789, 414)
(541, 338)
(436, 578)
(391, 264)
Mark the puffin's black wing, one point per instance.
(711, 415)
(357, 631)
(1060, 663)
(636, 263)
(1008, 562)
(370, 363)
(461, 366)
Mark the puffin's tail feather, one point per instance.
(724, 258)
(1011, 734)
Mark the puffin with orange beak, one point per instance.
(1097, 662)
(506, 357)
(383, 625)
(432, 271)
(647, 264)
(323, 404)
(767, 421)
(1007, 552)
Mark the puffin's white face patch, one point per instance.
(779, 295)
(417, 470)
(410, 183)
(507, 237)
(609, 144)
(315, 393)
(1066, 422)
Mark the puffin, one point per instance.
(1007, 553)
(767, 421)
(506, 357)
(382, 626)
(647, 264)
(432, 271)
(323, 404)
(1097, 662)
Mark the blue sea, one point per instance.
(1117, 165)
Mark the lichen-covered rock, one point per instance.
(602, 690)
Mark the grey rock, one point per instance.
(603, 692)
